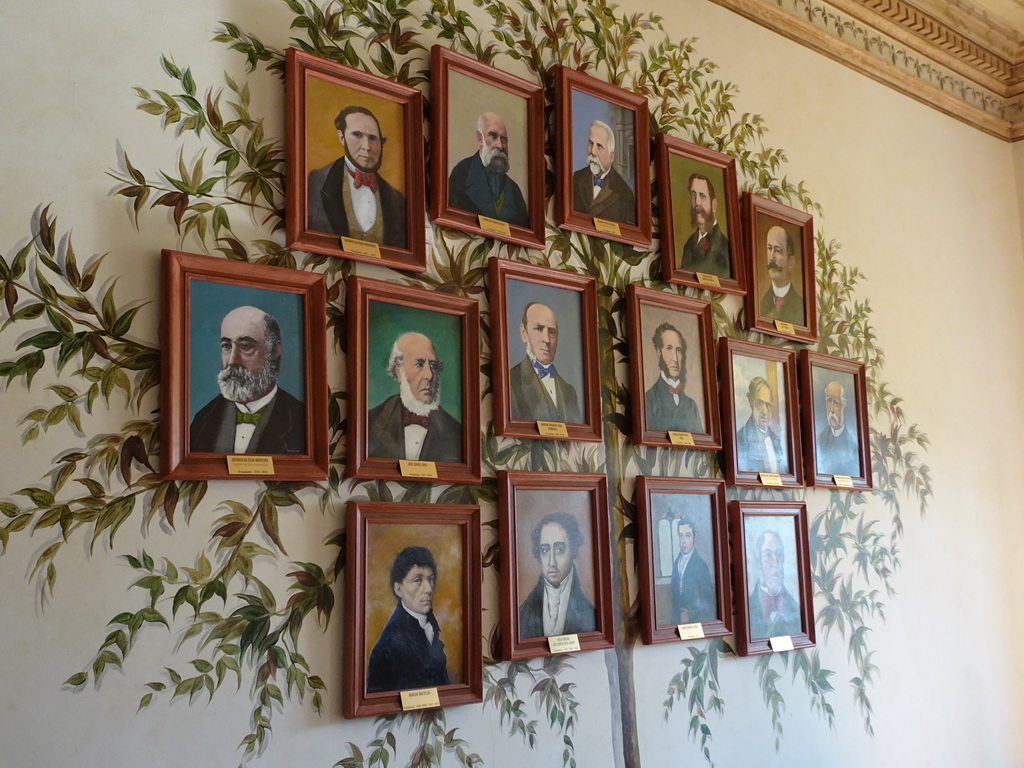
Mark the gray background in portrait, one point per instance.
(586, 109)
(650, 318)
(209, 302)
(785, 526)
(820, 377)
(743, 370)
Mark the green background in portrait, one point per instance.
(387, 322)
(679, 170)
(666, 510)
(764, 223)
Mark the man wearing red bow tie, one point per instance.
(773, 611)
(707, 249)
(348, 197)
(668, 406)
(537, 391)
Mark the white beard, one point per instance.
(595, 165)
(411, 403)
(494, 159)
(241, 386)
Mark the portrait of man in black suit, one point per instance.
(693, 589)
(836, 447)
(667, 405)
(707, 248)
(758, 446)
(782, 301)
(598, 189)
(536, 390)
(480, 183)
(773, 609)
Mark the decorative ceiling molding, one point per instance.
(954, 56)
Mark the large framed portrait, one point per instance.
(544, 352)
(684, 559)
(243, 387)
(413, 383)
(759, 415)
(774, 608)
(555, 573)
(487, 150)
(354, 145)
(780, 248)
(672, 370)
(837, 440)
(701, 244)
(412, 606)
(603, 166)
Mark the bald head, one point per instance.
(539, 332)
(492, 141)
(414, 360)
(250, 354)
(835, 406)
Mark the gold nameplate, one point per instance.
(494, 225)
(783, 327)
(690, 631)
(608, 227)
(418, 468)
(552, 429)
(680, 438)
(360, 247)
(564, 643)
(240, 464)
(843, 481)
(770, 478)
(421, 698)
(710, 280)
(781, 643)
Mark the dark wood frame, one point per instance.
(636, 298)
(858, 398)
(361, 290)
(646, 488)
(726, 349)
(443, 61)
(356, 701)
(665, 147)
(298, 67)
(752, 206)
(797, 511)
(566, 80)
(512, 647)
(504, 425)
(178, 461)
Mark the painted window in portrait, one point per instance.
(555, 562)
(241, 394)
(672, 368)
(413, 605)
(487, 150)
(603, 159)
(355, 164)
(413, 383)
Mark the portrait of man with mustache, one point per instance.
(782, 301)
(598, 189)
(480, 183)
(707, 249)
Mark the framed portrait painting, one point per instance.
(837, 444)
(555, 577)
(544, 352)
(773, 576)
(487, 150)
(759, 415)
(413, 383)
(672, 370)
(602, 159)
(684, 559)
(412, 606)
(243, 388)
(354, 145)
(701, 244)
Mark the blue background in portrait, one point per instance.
(209, 302)
(585, 110)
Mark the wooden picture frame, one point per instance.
(683, 328)
(828, 387)
(759, 382)
(432, 332)
(523, 403)
(512, 126)
(217, 342)
(789, 235)
(328, 196)
(384, 652)
(563, 517)
(621, 209)
(774, 596)
(674, 513)
(696, 250)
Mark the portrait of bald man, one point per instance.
(836, 449)
(480, 184)
(782, 301)
(598, 189)
(536, 389)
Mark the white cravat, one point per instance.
(414, 437)
(671, 383)
(364, 201)
(769, 450)
(428, 628)
(556, 604)
(244, 432)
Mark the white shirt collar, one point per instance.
(255, 405)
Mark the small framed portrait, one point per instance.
(700, 217)
(243, 387)
(837, 440)
(544, 352)
(413, 383)
(684, 559)
(412, 605)
(780, 247)
(672, 370)
(354, 146)
(555, 577)
(602, 170)
(487, 150)
(774, 609)
(759, 415)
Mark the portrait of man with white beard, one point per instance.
(481, 184)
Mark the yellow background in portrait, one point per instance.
(764, 222)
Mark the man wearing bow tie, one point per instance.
(251, 414)
(412, 424)
(668, 406)
(781, 301)
(599, 190)
(536, 390)
(773, 611)
(348, 197)
(707, 249)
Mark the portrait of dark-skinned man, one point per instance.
(782, 301)
(480, 183)
(707, 249)
(667, 404)
(598, 189)
(773, 610)
(836, 446)
(536, 390)
(758, 447)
